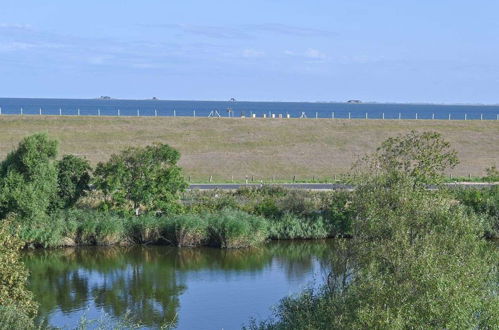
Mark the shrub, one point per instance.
(290, 226)
(235, 229)
(146, 229)
(28, 178)
(484, 202)
(147, 178)
(14, 296)
(186, 230)
(423, 156)
(101, 229)
(73, 179)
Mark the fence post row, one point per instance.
(333, 114)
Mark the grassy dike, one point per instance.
(234, 147)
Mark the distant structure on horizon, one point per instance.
(105, 98)
(354, 101)
(232, 99)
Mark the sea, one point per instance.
(155, 107)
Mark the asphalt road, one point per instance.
(314, 186)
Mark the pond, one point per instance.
(198, 288)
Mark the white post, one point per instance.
(383, 116)
(174, 113)
(78, 111)
(0, 111)
(21, 111)
(138, 112)
(366, 115)
(449, 116)
(98, 112)
(155, 112)
(118, 112)
(400, 115)
(349, 116)
(465, 116)
(316, 115)
(481, 116)
(194, 113)
(416, 115)
(332, 115)
(40, 111)
(432, 116)
(60, 112)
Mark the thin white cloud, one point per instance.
(252, 53)
(15, 26)
(291, 30)
(315, 54)
(310, 53)
(15, 46)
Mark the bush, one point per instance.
(186, 230)
(14, 318)
(289, 226)
(101, 229)
(146, 229)
(145, 178)
(14, 296)
(484, 202)
(73, 179)
(28, 178)
(236, 229)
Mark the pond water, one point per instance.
(198, 288)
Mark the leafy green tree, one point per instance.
(142, 178)
(424, 156)
(28, 178)
(73, 179)
(17, 306)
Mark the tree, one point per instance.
(424, 156)
(73, 179)
(147, 178)
(28, 178)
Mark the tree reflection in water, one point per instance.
(147, 282)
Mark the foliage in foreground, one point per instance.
(420, 262)
(419, 258)
(483, 202)
(17, 307)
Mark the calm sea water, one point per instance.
(200, 288)
(95, 107)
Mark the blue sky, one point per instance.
(282, 50)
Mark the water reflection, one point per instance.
(150, 282)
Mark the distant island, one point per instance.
(354, 101)
(105, 98)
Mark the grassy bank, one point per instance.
(231, 219)
(280, 149)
